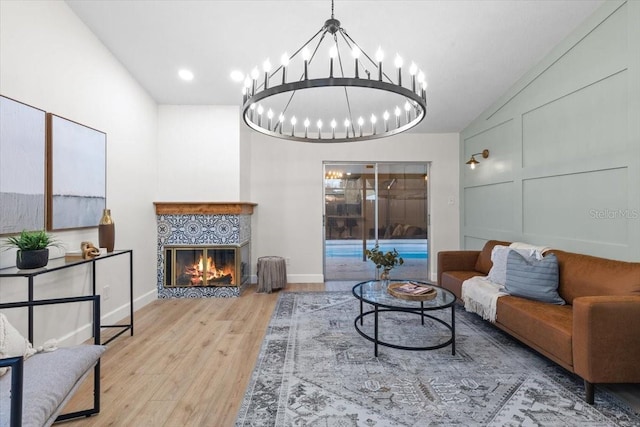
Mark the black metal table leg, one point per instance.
(30, 313)
(453, 331)
(375, 332)
(422, 311)
(131, 289)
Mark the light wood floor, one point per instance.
(189, 363)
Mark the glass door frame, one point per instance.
(326, 165)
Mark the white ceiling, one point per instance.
(471, 51)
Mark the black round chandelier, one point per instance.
(275, 105)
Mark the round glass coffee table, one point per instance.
(370, 293)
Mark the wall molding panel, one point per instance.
(564, 168)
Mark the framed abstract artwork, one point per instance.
(76, 174)
(22, 167)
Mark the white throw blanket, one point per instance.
(537, 251)
(480, 296)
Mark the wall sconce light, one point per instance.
(473, 162)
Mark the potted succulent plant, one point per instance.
(385, 260)
(33, 248)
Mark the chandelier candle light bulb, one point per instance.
(306, 127)
(385, 116)
(355, 52)
(284, 61)
(379, 58)
(270, 117)
(254, 78)
(333, 128)
(281, 120)
(407, 109)
(360, 123)
(374, 119)
(413, 70)
(397, 112)
(260, 111)
(398, 63)
(306, 55)
(319, 124)
(347, 123)
(266, 67)
(245, 89)
(333, 52)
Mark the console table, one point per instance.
(61, 264)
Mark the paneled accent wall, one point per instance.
(564, 165)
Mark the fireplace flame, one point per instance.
(207, 271)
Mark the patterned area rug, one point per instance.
(315, 370)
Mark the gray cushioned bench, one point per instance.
(50, 379)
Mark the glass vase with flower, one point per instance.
(385, 261)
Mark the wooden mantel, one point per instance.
(204, 208)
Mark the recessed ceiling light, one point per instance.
(185, 74)
(237, 76)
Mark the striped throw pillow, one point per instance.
(532, 278)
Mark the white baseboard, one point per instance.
(83, 333)
(305, 278)
(297, 278)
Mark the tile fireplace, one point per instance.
(204, 249)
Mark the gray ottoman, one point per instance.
(272, 273)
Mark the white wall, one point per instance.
(49, 59)
(287, 182)
(564, 166)
(198, 153)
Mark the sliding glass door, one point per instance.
(375, 203)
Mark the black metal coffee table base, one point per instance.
(382, 305)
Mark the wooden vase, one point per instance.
(106, 231)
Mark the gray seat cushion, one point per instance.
(48, 380)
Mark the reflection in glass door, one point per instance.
(369, 203)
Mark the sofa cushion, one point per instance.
(532, 278)
(483, 263)
(48, 380)
(498, 272)
(546, 326)
(452, 280)
(585, 275)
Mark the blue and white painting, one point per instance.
(78, 174)
(22, 167)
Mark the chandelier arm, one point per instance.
(295, 53)
(346, 93)
(366, 55)
(302, 75)
(313, 55)
(349, 41)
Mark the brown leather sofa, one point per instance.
(596, 335)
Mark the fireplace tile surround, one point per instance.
(201, 224)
